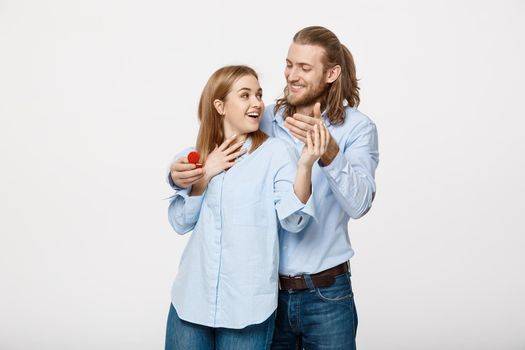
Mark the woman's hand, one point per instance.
(220, 159)
(316, 144)
(223, 157)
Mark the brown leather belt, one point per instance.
(321, 279)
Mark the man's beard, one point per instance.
(309, 98)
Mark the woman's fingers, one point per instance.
(309, 145)
(233, 147)
(234, 155)
(326, 138)
(317, 147)
(226, 143)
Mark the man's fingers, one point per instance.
(305, 119)
(299, 137)
(190, 181)
(295, 130)
(182, 175)
(317, 110)
(182, 167)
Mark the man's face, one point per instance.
(304, 73)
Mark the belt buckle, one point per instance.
(298, 277)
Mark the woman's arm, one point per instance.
(312, 150)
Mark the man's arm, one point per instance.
(349, 166)
(183, 174)
(351, 173)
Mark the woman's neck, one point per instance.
(238, 137)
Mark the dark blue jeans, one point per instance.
(183, 335)
(317, 318)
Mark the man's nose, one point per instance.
(292, 74)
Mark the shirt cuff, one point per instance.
(309, 207)
(192, 204)
(336, 167)
(288, 205)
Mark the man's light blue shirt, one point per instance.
(228, 273)
(342, 190)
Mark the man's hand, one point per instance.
(300, 125)
(184, 173)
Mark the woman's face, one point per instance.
(242, 107)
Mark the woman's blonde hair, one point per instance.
(211, 131)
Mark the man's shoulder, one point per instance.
(267, 119)
(354, 126)
(269, 112)
(354, 117)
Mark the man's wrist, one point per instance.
(331, 152)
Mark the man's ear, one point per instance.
(219, 106)
(333, 74)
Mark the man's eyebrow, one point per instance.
(300, 63)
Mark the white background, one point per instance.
(96, 97)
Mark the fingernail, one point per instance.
(234, 136)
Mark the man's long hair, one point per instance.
(344, 90)
(211, 131)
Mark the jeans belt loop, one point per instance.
(309, 282)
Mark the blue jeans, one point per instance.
(183, 335)
(317, 318)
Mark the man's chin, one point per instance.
(294, 100)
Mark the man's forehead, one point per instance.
(305, 54)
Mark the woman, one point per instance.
(225, 293)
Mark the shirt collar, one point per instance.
(246, 146)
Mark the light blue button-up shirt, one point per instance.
(341, 190)
(228, 273)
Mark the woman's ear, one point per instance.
(333, 74)
(219, 106)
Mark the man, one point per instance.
(316, 307)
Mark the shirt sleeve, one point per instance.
(292, 213)
(351, 175)
(184, 210)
